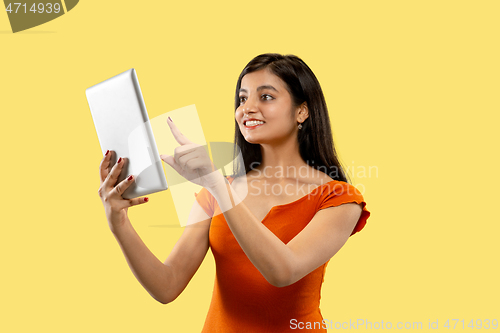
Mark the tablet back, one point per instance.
(122, 125)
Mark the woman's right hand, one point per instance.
(115, 206)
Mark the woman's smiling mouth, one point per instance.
(252, 123)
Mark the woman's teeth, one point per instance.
(253, 123)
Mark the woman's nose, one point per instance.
(250, 105)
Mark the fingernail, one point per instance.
(130, 178)
(119, 160)
(170, 119)
(107, 151)
(146, 199)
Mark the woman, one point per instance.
(273, 225)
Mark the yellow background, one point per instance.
(412, 88)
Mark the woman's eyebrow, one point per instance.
(261, 88)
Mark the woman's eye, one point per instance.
(242, 99)
(267, 97)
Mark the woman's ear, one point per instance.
(303, 113)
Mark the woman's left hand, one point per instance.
(191, 161)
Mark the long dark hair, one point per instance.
(315, 138)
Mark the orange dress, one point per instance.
(243, 300)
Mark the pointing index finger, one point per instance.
(179, 137)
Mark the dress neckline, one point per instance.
(290, 203)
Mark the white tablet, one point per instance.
(122, 125)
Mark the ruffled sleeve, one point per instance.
(206, 201)
(339, 193)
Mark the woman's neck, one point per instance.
(282, 161)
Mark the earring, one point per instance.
(300, 126)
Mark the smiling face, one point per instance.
(263, 97)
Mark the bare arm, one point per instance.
(163, 281)
(284, 264)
